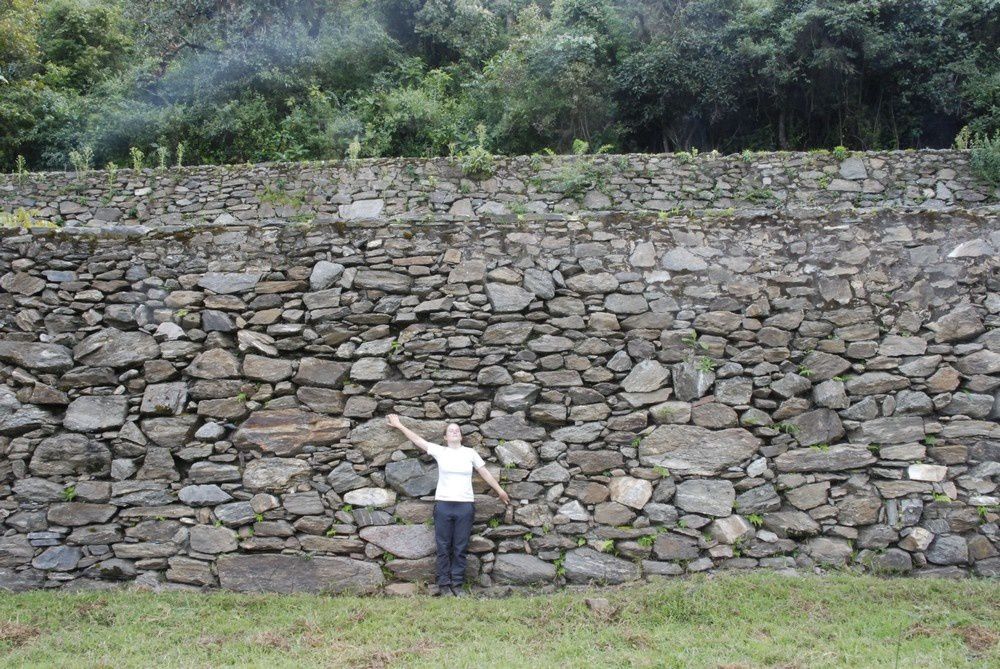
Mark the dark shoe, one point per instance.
(458, 592)
(443, 591)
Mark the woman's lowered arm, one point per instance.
(417, 440)
(485, 473)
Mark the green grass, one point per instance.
(737, 620)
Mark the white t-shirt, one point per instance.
(454, 472)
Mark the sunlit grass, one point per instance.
(746, 620)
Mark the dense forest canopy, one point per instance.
(255, 80)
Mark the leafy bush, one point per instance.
(477, 162)
(985, 157)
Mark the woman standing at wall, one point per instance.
(454, 504)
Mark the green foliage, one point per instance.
(787, 428)
(985, 157)
(69, 493)
(476, 161)
(756, 519)
(24, 218)
(111, 170)
(705, 364)
(137, 156)
(81, 160)
(300, 80)
(162, 154)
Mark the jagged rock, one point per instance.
(411, 477)
(96, 413)
(958, 325)
(630, 491)
(203, 495)
(324, 274)
(506, 298)
(511, 427)
(821, 426)
(706, 496)
(36, 357)
(275, 474)
(70, 454)
(646, 376)
(167, 399)
(216, 363)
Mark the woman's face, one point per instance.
(453, 432)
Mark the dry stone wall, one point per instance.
(203, 406)
(324, 192)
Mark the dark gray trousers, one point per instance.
(452, 527)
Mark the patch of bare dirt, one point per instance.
(17, 634)
(979, 639)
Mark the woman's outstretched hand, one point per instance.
(504, 497)
(393, 420)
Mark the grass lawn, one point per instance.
(737, 620)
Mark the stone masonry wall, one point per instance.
(324, 192)
(191, 406)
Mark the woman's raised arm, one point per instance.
(417, 440)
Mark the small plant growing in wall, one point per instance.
(985, 157)
(25, 218)
(111, 169)
(705, 364)
(81, 160)
(69, 493)
(21, 170)
(840, 152)
(477, 162)
(179, 154)
(787, 428)
(559, 563)
(579, 174)
(756, 519)
(162, 154)
(136, 156)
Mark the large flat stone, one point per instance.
(70, 454)
(36, 357)
(96, 413)
(689, 449)
(114, 348)
(227, 283)
(405, 541)
(585, 565)
(285, 432)
(522, 569)
(829, 459)
(290, 573)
